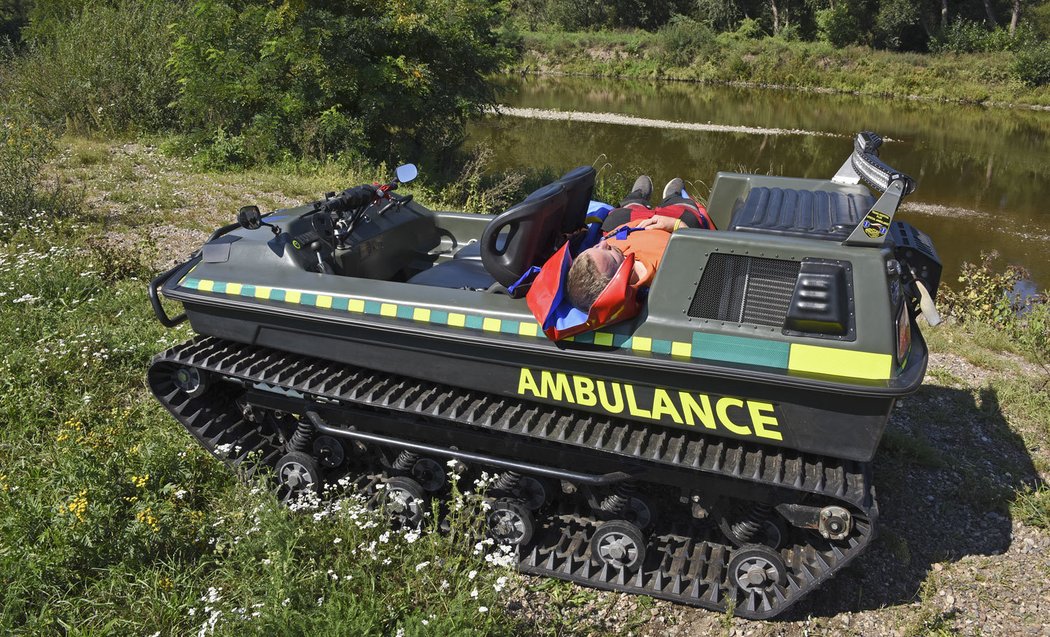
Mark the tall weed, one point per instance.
(24, 148)
(990, 296)
(102, 70)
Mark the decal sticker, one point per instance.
(739, 416)
(876, 224)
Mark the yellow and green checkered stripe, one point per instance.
(795, 357)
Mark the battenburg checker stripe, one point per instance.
(796, 357)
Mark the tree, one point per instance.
(313, 78)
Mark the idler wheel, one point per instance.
(330, 451)
(190, 380)
(429, 474)
(638, 513)
(534, 492)
(298, 473)
(755, 568)
(511, 522)
(619, 544)
(404, 501)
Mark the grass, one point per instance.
(729, 58)
(116, 522)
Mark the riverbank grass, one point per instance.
(732, 58)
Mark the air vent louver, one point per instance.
(743, 289)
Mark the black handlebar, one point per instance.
(352, 198)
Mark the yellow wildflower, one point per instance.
(78, 506)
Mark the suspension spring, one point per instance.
(749, 528)
(616, 502)
(507, 481)
(405, 460)
(303, 437)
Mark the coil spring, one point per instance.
(616, 502)
(507, 481)
(405, 460)
(302, 438)
(747, 529)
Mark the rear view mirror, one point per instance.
(249, 217)
(406, 173)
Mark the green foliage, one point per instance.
(25, 146)
(839, 25)
(1039, 18)
(750, 29)
(684, 40)
(313, 79)
(985, 295)
(103, 68)
(1032, 65)
(116, 522)
(1032, 506)
(893, 21)
(965, 36)
(990, 297)
(577, 15)
(721, 15)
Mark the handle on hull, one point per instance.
(154, 299)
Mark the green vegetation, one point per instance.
(250, 81)
(739, 58)
(968, 25)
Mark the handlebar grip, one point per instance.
(352, 198)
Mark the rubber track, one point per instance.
(678, 566)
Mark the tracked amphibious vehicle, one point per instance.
(714, 450)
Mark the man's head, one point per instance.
(591, 272)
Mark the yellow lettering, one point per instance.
(528, 384)
(761, 420)
(558, 384)
(584, 391)
(632, 407)
(722, 407)
(662, 404)
(701, 410)
(613, 408)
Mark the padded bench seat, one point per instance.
(831, 216)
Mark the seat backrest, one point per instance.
(532, 231)
(579, 186)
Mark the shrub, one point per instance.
(317, 79)
(24, 148)
(750, 29)
(683, 39)
(972, 37)
(991, 297)
(894, 23)
(1032, 65)
(102, 68)
(839, 26)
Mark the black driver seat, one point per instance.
(579, 189)
(523, 236)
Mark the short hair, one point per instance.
(586, 282)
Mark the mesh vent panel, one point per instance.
(743, 289)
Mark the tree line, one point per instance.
(902, 25)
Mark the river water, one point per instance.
(983, 173)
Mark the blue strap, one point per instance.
(531, 272)
(622, 232)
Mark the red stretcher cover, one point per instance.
(549, 301)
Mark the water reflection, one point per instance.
(984, 174)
